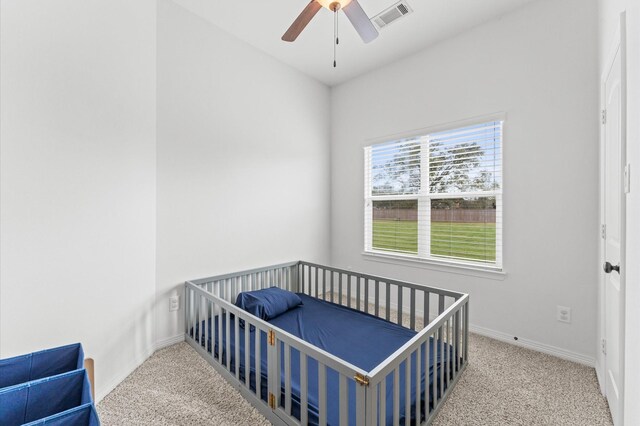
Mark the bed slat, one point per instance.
(247, 356)
(466, 332)
(331, 284)
(304, 410)
(322, 394)
(396, 396)
(407, 392)
(442, 359)
(212, 328)
(434, 394)
(324, 284)
(236, 342)
(360, 405)
(344, 401)
(206, 323)
(419, 383)
(193, 314)
(387, 301)
(366, 295)
(448, 351)
(427, 387)
(400, 307)
(287, 379)
(377, 296)
(372, 398)
(200, 318)
(457, 337)
(316, 283)
(258, 361)
(228, 340)
(425, 309)
(220, 313)
(382, 401)
(412, 306)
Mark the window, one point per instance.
(437, 196)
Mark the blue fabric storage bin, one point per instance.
(85, 415)
(41, 364)
(42, 398)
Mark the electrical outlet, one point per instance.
(563, 314)
(174, 303)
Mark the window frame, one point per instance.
(424, 197)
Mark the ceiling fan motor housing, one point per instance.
(329, 3)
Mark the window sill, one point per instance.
(436, 265)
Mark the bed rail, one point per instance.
(439, 316)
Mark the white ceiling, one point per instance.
(261, 23)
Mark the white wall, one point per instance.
(77, 214)
(243, 168)
(243, 159)
(609, 14)
(539, 66)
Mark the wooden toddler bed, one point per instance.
(339, 357)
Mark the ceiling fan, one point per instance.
(351, 8)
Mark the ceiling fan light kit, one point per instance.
(356, 15)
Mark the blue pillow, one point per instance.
(267, 303)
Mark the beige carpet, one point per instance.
(503, 385)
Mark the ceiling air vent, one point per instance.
(391, 14)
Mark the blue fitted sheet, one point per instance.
(361, 339)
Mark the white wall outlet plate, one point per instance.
(563, 314)
(174, 303)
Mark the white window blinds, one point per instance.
(437, 196)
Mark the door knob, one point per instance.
(608, 267)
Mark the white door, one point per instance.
(613, 193)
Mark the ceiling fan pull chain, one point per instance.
(335, 34)
(337, 27)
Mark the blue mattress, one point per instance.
(361, 339)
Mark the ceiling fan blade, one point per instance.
(360, 21)
(301, 21)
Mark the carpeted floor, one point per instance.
(503, 385)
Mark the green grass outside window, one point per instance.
(473, 241)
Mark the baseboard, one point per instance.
(508, 338)
(599, 377)
(102, 391)
(169, 341)
(533, 345)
